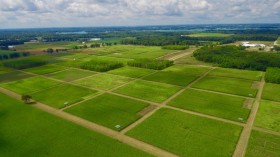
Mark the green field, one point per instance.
(210, 35)
(109, 110)
(235, 73)
(227, 85)
(30, 85)
(26, 131)
(271, 92)
(188, 69)
(268, 116)
(4, 70)
(263, 145)
(148, 90)
(64, 95)
(131, 72)
(188, 135)
(103, 81)
(219, 105)
(71, 74)
(13, 76)
(45, 69)
(278, 41)
(174, 78)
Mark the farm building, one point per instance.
(248, 44)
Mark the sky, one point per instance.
(90, 13)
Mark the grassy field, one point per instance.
(4, 70)
(30, 85)
(227, 85)
(63, 95)
(270, 90)
(26, 131)
(188, 135)
(210, 35)
(109, 110)
(268, 116)
(235, 73)
(71, 74)
(103, 81)
(188, 69)
(45, 69)
(191, 60)
(148, 90)
(174, 78)
(278, 41)
(13, 76)
(131, 72)
(263, 145)
(222, 106)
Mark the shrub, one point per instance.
(175, 47)
(150, 64)
(25, 63)
(272, 75)
(101, 66)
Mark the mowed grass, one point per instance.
(63, 95)
(151, 91)
(45, 69)
(188, 69)
(109, 110)
(268, 116)
(263, 145)
(13, 76)
(188, 135)
(71, 74)
(131, 72)
(236, 73)
(103, 81)
(30, 85)
(218, 105)
(227, 85)
(271, 92)
(27, 131)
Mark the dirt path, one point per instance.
(267, 131)
(245, 135)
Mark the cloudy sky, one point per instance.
(71, 13)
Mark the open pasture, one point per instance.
(223, 106)
(63, 95)
(103, 81)
(109, 110)
(263, 145)
(13, 76)
(152, 91)
(188, 135)
(30, 85)
(268, 116)
(228, 85)
(27, 131)
(271, 92)
(235, 73)
(71, 74)
(188, 69)
(131, 72)
(45, 69)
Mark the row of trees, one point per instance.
(25, 63)
(13, 55)
(101, 66)
(272, 75)
(151, 64)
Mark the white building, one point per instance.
(248, 44)
(95, 39)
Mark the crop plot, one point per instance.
(219, 105)
(228, 85)
(131, 72)
(109, 110)
(71, 74)
(13, 76)
(103, 81)
(152, 91)
(187, 135)
(188, 69)
(236, 73)
(63, 95)
(30, 85)
(263, 145)
(45, 69)
(271, 92)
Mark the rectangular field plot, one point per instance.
(131, 72)
(4, 70)
(228, 85)
(235, 73)
(174, 78)
(188, 135)
(271, 92)
(148, 90)
(268, 116)
(46, 69)
(13, 76)
(188, 69)
(223, 106)
(29, 132)
(71, 74)
(109, 110)
(263, 145)
(103, 81)
(63, 95)
(30, 85)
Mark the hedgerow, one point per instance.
(101, 66)
(150, 64)
(272, 75)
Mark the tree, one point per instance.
(26, 98)
(50, 50)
